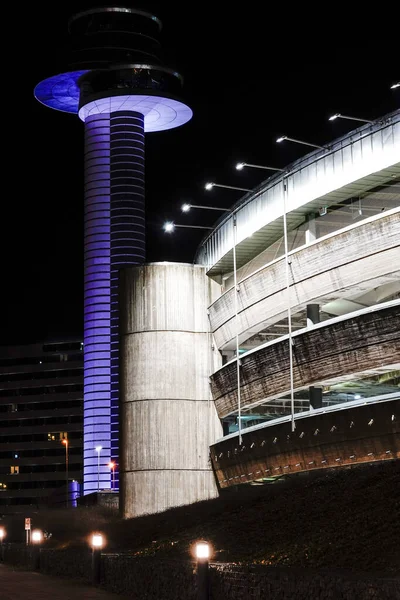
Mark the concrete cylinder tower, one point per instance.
(118, 85)
(168, 419)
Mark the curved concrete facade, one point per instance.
(168, 420)
(350, 165)
(364, 342)
(362, 256)
(326, 439)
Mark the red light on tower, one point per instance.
(112, 466)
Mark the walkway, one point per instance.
(26, 585)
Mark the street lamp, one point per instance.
(340, 116)
(240, 166)
(210, 186)
(186, 208)
(98, 450)
(112, 466)
(65, 442)
(282, 138)
(169, 227)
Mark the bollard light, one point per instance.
(36, 539)
(202, 553)
(97, 542)
(37, 536)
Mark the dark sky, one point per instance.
(253, 70)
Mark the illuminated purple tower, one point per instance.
(118, 85)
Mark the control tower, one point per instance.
(118, 85)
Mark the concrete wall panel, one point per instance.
(167, 297)
(168, 419)
(155, 491)
(169, 434)
(168, 364)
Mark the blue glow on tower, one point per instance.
(117, 84)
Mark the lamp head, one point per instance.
(186, 207)
(111, 464)
(335, 116)
(395, 85)
(2, 533)
(240, 166)
(202, 551)
(281, 139)
(209, 186)
(37, 536)
(99, 448)
(169, 227)
(97, 541)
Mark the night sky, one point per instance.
(252, 73)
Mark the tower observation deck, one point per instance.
(117, 84)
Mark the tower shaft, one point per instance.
(114, 238)
(115, 79)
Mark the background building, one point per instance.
(41, 404)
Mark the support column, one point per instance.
(313, 315)
(315, 396)
(314, 393)
(168, 419)
(311, 230)
(114, 238)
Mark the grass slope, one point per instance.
(344, 518)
